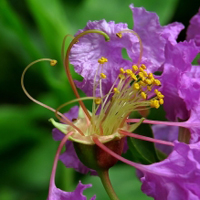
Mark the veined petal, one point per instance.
(85, 54)
(177, 177)
(154, 37)
(178, 61)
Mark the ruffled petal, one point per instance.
(177, 177)
(91, 47)
(77, 194)
(193, 31)
(154, 37)
(178, 61)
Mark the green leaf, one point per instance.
(143, 151)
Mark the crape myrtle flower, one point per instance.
(118, 87)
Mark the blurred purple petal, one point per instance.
(177, 177)
(77, 194)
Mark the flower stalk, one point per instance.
(104, 176)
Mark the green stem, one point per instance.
(104, 176)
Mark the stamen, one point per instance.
(98, 101)
(64, 118)
(140, 41)
(181, 124)
(141, 137)
(116, 90)
(103, 76)
(53, 62)
(122, 70)
(102, 60)
(67, 64)
(143, 95)
(135, 67)
(53, 173)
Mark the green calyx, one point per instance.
(95, 158)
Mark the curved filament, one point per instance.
(53, 174)
(75, 40)
(141, 137)
(66, 120)
(140, 41)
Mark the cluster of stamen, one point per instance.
(133, 90)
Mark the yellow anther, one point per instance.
(134, 77)
(116, 90)
(155, 104)
(148, 88)
(148, 81)
(150, 76)
(141, 75)
(161, 101)
(53, 62)
(142, 83)
(156, 91)
(145, 73)
(160, 95)
(136, 86)
(143, 95)
(98, 101)
(135, 67)
(152, 79)
(102, 60)
(157, 82)
(121, 76)
(102, 75)
(122, 70)
(119, 35)
(129, 71)
(141, 69)
(143, 66)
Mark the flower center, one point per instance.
(133, 90)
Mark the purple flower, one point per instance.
(177, 177)
(118, 86)
(193, 31)
(77, 194)
(91, 47)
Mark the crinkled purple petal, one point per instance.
(85, 54)
(193, 31)
(189, 91)
(154, 37)
(69, 157)
(77, 194)
(91, 47)
(167, 133)
(189, 88)
(195, 130)
(178, 61)
(177, 177)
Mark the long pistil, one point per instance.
(75, 40)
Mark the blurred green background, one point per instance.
(33, 29)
